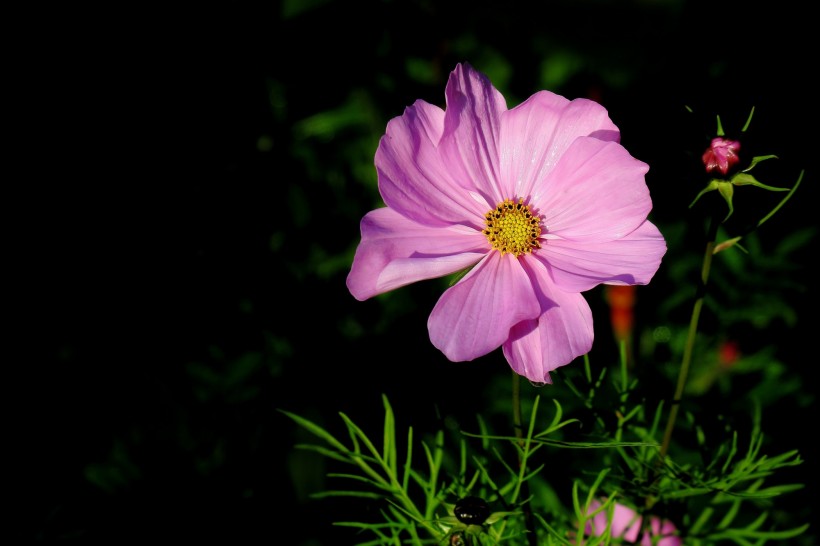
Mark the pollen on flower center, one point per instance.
(512, 227)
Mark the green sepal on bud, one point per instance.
(727, 190)
(724, 187)
(743, 178)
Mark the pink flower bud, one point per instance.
(721, 155)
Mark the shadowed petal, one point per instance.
(474, 317)
(633, 259)
(596, 192)
(537, 132)
(395, 251)
(470, 143)
(625, 524)
(414, 179)
(559, 335)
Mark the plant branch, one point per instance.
(518, 426)
(690, 339)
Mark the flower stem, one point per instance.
(518, 426)
(690, 339)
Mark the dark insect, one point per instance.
(472, 510)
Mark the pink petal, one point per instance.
(596, 525)
(470, 143)
(537, 132)
(414, 180)
(633, 259)
(625, 524)
(395, 251)
(665, 529)
(560, 334)
(474, 317)
(596, 192)
(710, 159)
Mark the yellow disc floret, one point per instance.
(512, 227)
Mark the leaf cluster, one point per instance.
(719, 494)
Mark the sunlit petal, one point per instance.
(396, 251)
(474, 317)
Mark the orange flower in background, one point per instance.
(621, 300)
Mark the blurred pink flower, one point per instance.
(540, 201)
(626, 525)
(721, 155)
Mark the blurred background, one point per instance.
(192, 206)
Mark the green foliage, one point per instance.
(718, 490)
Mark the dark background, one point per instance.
(189, 204)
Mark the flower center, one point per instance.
(512, 227)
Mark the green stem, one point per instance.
(690, 339)
(518, 426)
(516, 406)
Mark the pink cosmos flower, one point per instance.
(626, 524)
(540, 201)
(721, 155)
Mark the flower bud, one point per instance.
(721, 155)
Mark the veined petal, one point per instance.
(414, 180)
(558, 336)
(470, 142)
(633, 259)
(596, 192)
(537, 132)
(395, 251)
(474, 317)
